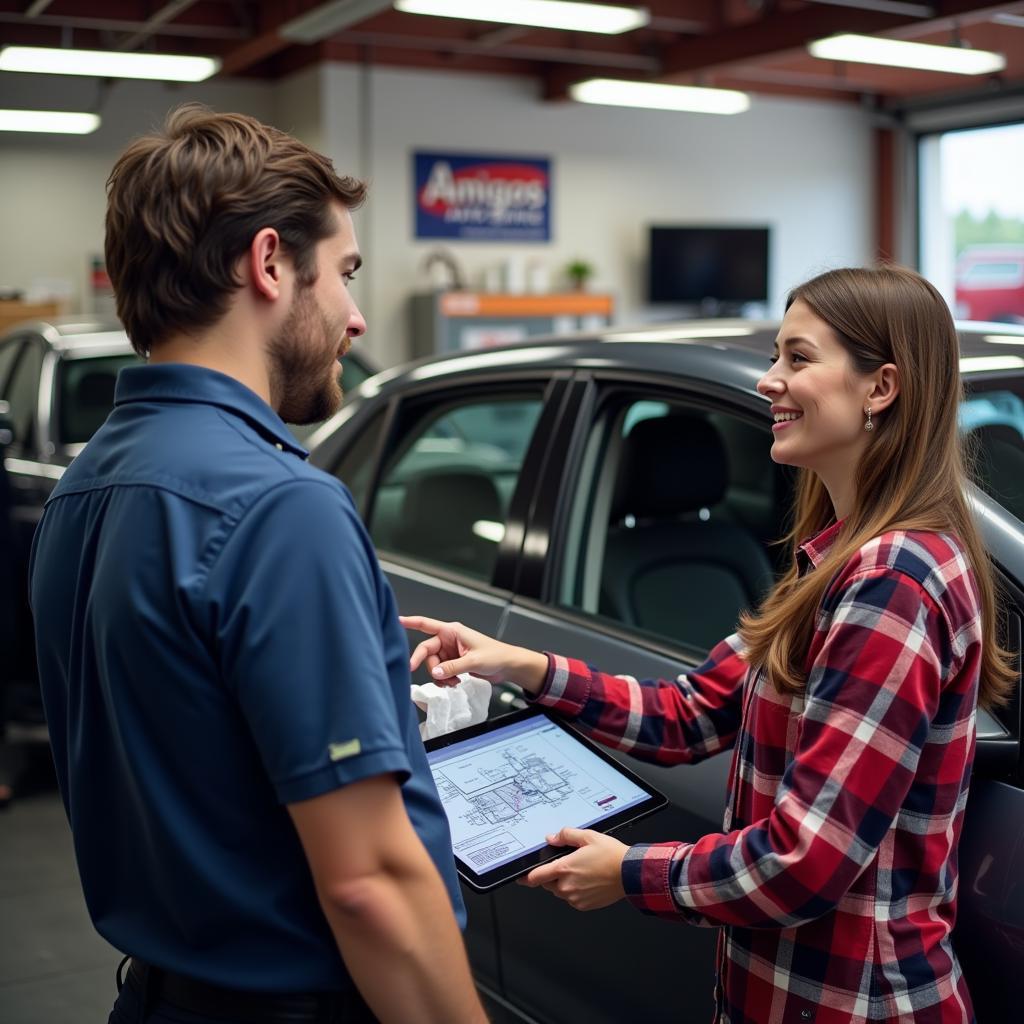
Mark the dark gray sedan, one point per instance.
(612, 498)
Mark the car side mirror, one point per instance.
(6, 425)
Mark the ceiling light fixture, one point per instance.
(561, 14)
(897, 53)
(54, 122)
(693, 99)
(162, 67)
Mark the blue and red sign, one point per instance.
(482, 198)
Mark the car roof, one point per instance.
(80, 335)
(687, 348)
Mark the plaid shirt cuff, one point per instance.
(567, 686)
(646, 870)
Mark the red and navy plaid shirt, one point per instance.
(835, 875)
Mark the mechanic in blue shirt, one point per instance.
(225, 679)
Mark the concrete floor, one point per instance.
(54, 968)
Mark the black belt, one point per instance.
(206, 1000)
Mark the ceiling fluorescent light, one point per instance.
(54, 122)
(897, 53)
(107, 64)
(579, 17)
(695, 99)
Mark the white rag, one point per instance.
(452, 707)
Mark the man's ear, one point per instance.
(885, 387)
(267, 264)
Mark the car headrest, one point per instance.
(670, 465)
(1001, 432)
(441, 509)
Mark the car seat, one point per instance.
(440, 520)
(670, 567)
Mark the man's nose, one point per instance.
(356, 323)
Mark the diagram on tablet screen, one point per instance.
(504, 799)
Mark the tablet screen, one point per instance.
(505, 789)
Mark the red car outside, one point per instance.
(990, 283)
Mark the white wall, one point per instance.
(805, 168)
(802, 167)
(52, 187)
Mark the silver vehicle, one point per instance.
(611, 497)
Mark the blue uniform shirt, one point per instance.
(215, 639)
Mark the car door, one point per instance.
(668, 497)
(443, 476)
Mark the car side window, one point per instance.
(8, 353)
(23, 392)
(355, 468)
(444, 494)
(671, 531)
(992, 418)
(85, 389)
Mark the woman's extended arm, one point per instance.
(665, 721)
(873, 694)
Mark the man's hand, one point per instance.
(454, 648)
(588, 879)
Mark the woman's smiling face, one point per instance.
(818, 398)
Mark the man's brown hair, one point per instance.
(184, 203)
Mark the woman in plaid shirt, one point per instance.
(848, 699)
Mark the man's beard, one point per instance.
(304, 371)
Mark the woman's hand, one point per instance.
(588, 879)
(453, 648)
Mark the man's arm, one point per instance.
(386, 904)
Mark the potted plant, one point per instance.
(579, 272)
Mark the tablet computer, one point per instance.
(509, 782)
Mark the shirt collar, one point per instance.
(180, 382)
(816, 548)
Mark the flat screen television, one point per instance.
(725, 266)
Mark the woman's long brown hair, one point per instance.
(912, 475)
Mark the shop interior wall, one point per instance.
(52, 195)
(802, 167)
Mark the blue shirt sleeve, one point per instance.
(297, 605)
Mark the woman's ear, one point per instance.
(884, 388)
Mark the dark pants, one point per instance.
(147, 996)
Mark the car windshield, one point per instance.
(85, 390)
(992, 418)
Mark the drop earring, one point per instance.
(869, 425)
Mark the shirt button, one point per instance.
(279, 446)
(806, 1014)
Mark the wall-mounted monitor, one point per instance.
(723, 266)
